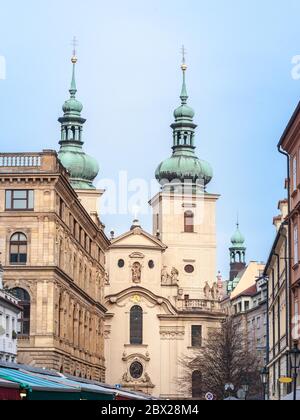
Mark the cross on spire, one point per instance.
(74, 45)
(183, 52)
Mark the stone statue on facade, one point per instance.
(174, 276)
(136, 272)
(164, 275)
(106, 279)
(207, 291)
(215, 292)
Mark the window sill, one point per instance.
(195, 348)
(142, 346)
(17, 265)
(19, 210)
(191, 233)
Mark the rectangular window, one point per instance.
(295, 173)
(7, 326)
(19, 200)
(196, 336)
(296, 245)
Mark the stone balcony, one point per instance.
(42, 162)
(198, 305)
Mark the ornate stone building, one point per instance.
(161, 292)
(53, 250)
(277, 273)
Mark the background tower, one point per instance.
(237, 253)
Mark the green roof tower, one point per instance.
(184, 166)
(83, 169)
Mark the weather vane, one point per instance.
(74, 45)
(183, 52)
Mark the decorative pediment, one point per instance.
(138, 239)
(137, 256)
(138, 292)
(136, 356)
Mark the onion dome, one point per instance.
(238, 240)
(184, 166)
(83, 169)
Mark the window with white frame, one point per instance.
(295, 173)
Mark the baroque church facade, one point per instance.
(162, 294)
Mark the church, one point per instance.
(162, 293)
(123, 310)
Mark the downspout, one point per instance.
(289, 281)
(268, 326)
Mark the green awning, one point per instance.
(39, 388)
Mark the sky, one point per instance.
(239, 81)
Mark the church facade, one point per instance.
(162, 294)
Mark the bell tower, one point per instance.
(83, 169)
(237, 253)
(184, 213)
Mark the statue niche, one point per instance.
(136, 273)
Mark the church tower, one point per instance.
(237, 254)
(83, 169)
(184, 212)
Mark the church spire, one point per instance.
(184, 95)
(73, 88)
(83, 169)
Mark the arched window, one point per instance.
(24, 319)
(136, 325)
(18, 249)
(189, 222)
(197, 384)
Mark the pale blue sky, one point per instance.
(239, 81)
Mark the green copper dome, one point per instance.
(83, 169)
(238, 239)
(184, 111)
(72, 106)
(184, 165)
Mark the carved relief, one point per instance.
(136, 372)
(137, 255)
(172, 333)
(169, 279)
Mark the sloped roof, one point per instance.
(148, 240)
(251, 291)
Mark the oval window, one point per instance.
(189, 269)
(136, 370)
(151, 264)
(121, 264)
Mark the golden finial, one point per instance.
(183, 65)
(74, 58)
